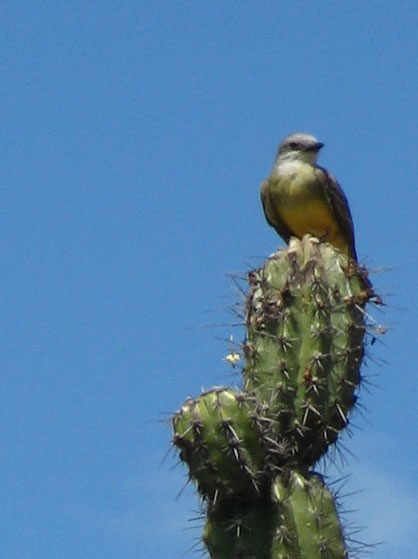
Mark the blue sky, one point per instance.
(134, 138)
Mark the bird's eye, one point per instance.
(293, 145)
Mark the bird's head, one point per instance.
(299, 147)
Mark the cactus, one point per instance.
(219, 438)
(251, 452)
(305, 329)
(296, 519)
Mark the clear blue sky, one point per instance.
(135, 135)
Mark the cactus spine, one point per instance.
(251, 453)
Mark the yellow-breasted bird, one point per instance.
(300, 197)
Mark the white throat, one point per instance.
(291, 161)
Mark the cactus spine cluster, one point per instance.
(251, 453)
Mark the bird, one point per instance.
(300, 197)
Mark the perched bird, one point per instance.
(300, 197)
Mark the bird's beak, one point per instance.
(315, 147)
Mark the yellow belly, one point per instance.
(305, 212)
(310, 216)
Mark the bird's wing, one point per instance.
(272, 216)
(339, 204)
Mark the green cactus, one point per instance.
(251, 453)
(297, 519)
(219, 438)
(305, 329)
